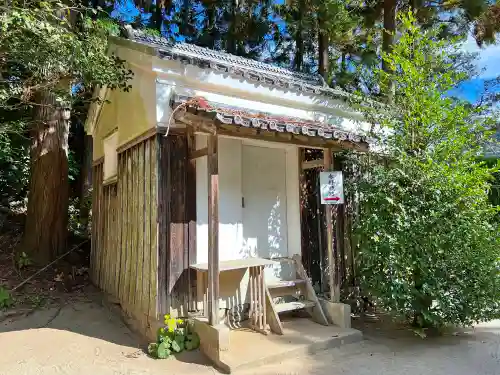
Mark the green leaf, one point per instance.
(163, 351)
(153, 350)
(178, 344)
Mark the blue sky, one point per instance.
(488, 67)
(487, 63)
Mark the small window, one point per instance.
(110, 157)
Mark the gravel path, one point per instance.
(86, 338)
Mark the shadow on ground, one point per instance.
(83, 337)
(86, 337)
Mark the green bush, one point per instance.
(428, 236)
(430, 249)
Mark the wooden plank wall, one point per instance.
(124, 258)
(177, 222)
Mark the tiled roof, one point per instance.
(236, 116)
(239, 67)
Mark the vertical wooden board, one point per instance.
(135, 224)
(146, 268)
(109, 232)
(94, 225)
(100, 226)
(140, 225)
(124, 223)
(102, 220)
(102, 238)
(163, 216)
(110, 269)
(191, 218)
(113, 259)
(128, 228)
(185, 289)
(119, 223)
(105, 241)
(177, 246)
(154, 305)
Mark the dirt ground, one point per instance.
(85, 336)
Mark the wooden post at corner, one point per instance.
(213, 230)
(330, 246)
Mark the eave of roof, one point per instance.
(239, 67)
(242, 117)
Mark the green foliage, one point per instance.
(175, 337)
(51, 46)
(23, 260)
(429, 242)
(5, 298)
(163, 350)
(14, 162)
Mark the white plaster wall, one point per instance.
(231, 240)
(233, 285)
(234, 93)
(230, 211)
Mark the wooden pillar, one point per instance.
(339, 236)
(213, 230)
(191, 219)
(330, 247)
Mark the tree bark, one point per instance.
(45, 231)
(299, 39)
(323, 58)
(388, 41)
(231, 44)
(86, 179)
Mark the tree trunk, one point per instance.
(323, 57)
(231, 44)
(45, 231)
(388, 41)
(86, 178)
(158, 16)
(211, 26)
(299, 39)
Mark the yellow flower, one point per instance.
(172, 325)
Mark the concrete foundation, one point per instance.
(338, 314)
(244, 348)
(214, 342)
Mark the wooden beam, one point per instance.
(289, 138)
(208, 125)
(198, 123)
(330, 249)
(312, 164)
(198, 153)
(213, 231)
